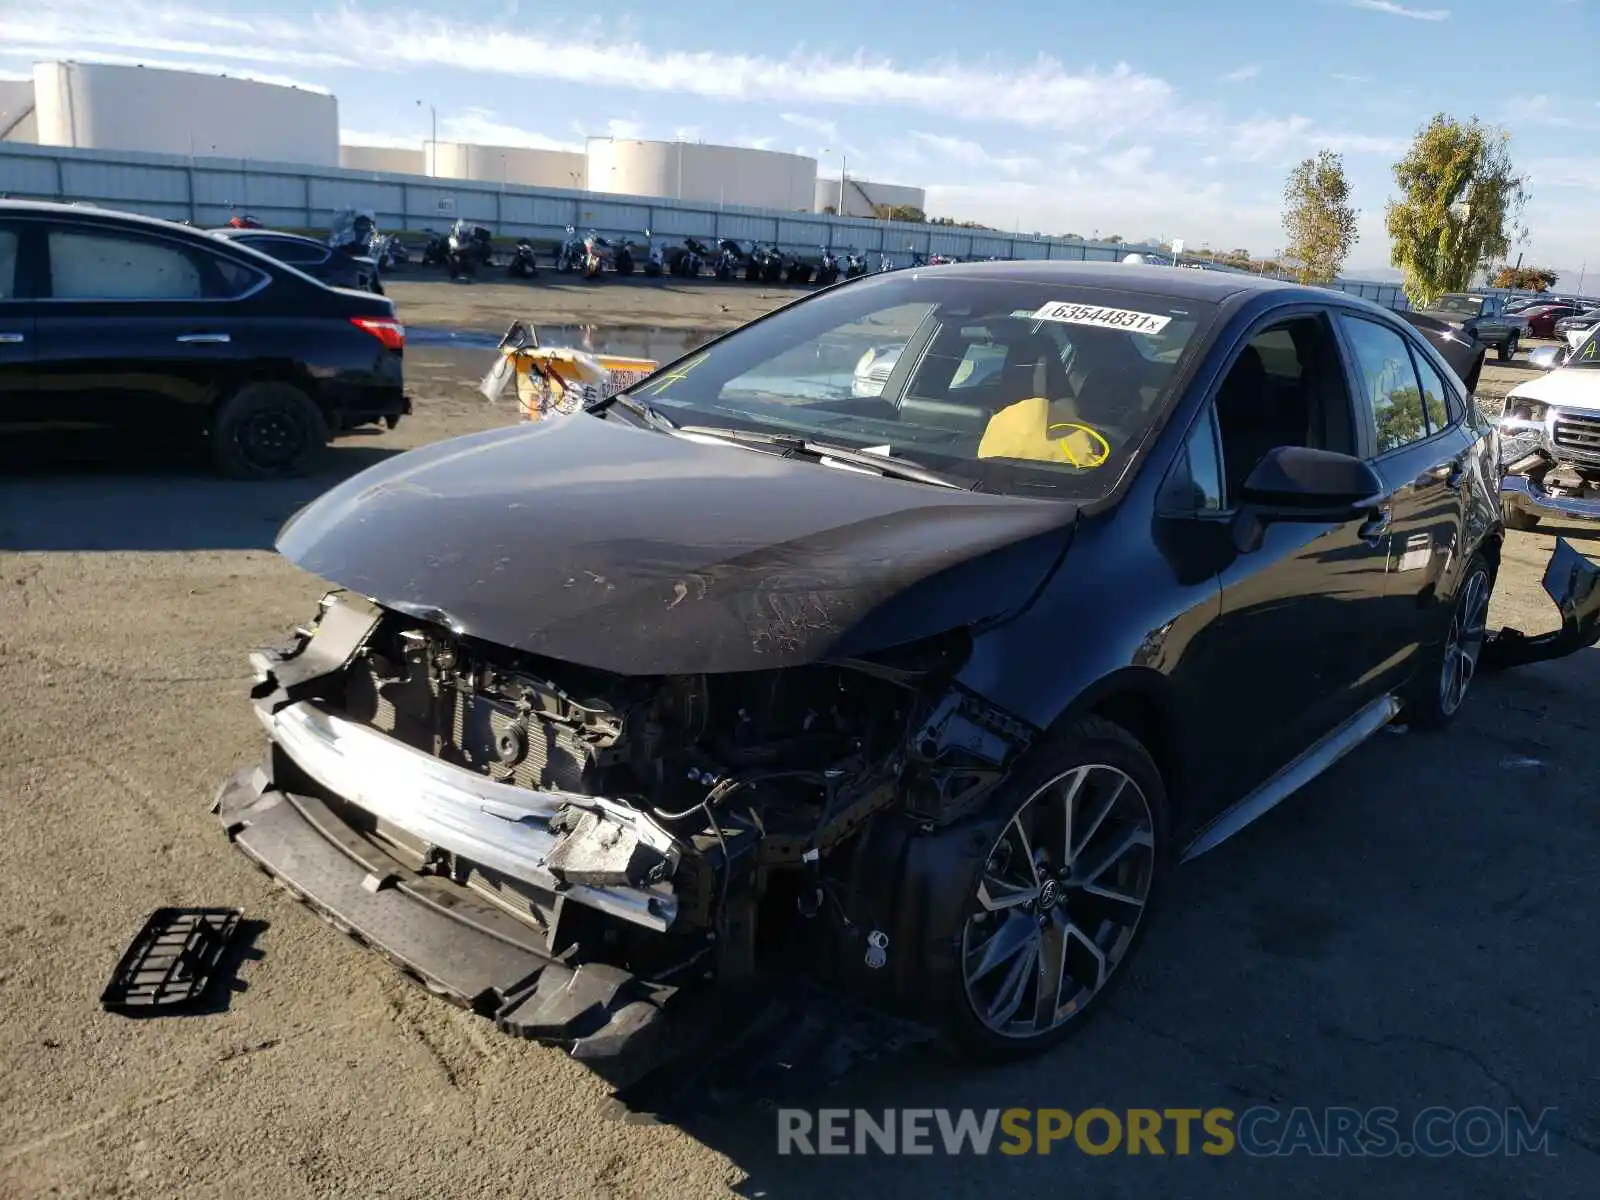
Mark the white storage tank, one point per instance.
(702, 173)
(505, 164)
(394, 160)
(863, 197)
(17, 120)
(97, 106)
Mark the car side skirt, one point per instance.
(1301, 771)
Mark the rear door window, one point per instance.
(95, 264)
(100, 266)
(1388, 381)
(1433, 394)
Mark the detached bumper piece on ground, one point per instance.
(173, 964)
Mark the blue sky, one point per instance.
(1161, 119)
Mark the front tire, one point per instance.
(1056, 904)
(1447, 670)
(268, 431)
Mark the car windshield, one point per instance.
(1466, 306)
(1587, 355)
(1014, 386)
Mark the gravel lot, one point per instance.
(1416, 928)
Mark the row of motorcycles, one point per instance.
(466, 248)
(591, 254)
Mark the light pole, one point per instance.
(844, 161)
(433, 113)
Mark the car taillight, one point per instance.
(386, 329)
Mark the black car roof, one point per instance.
(92, 212)
(1177, 282)
(229, 231)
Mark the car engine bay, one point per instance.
(758, 783)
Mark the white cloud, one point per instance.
(387, 141)
(962, 157)
(1342, 78)
(232, 70)
(1565, 173)
(828, 131)
(1399, 10)
(1549, 111)
(1040, 94)
(473, 126)
(1277, 140)
(479, 127)
(1240, 75)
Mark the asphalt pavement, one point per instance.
(1415, 929)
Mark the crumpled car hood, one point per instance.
(640, 552)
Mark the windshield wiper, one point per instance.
(884, 464)
(647, 413)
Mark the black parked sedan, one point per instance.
(116, 328)
(335, 267)
(921, 692)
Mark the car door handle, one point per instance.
(204, 339)
(11, 339)
(1376, 526)
(1448, 474)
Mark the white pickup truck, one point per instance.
(1550, 438)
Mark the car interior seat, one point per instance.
(1254, 417)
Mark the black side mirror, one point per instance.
(1295, 483)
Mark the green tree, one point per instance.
(1318, 217)
(1459, 207)
(900, 212)
(1526, 279)
(1399, 419)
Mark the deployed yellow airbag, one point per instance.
(1025, 431)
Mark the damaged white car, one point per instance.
(1550, 438)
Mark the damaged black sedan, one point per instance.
(917, 690)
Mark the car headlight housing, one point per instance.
(1519, 409)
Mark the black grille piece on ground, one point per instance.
(173, 962)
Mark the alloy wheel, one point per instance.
(1464, 641)
(1059, 901)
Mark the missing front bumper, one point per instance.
(438, 933)
(602, 861)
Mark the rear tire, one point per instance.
(1508, 348)
(1438, 689)
(268, 431)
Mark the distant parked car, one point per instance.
(1483, 317)
(334, 267)
(121, 329)
(1542, 318)
(1576, 327)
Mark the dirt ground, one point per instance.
(1416, 928)
(490, 303)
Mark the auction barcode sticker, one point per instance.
(1105, 318)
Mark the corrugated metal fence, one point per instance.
(209, 191)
